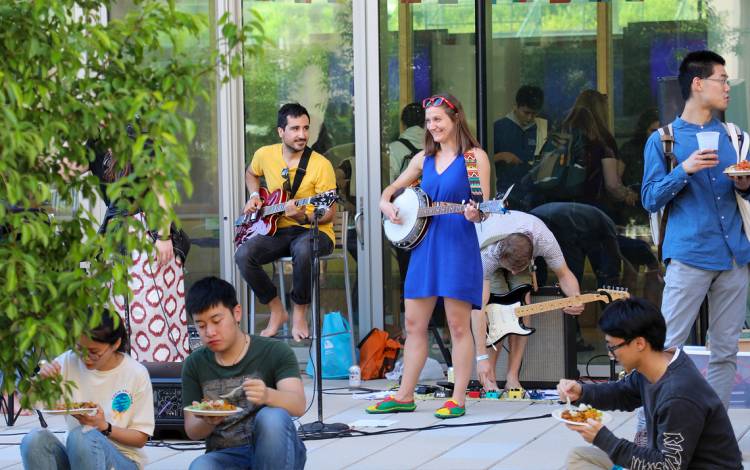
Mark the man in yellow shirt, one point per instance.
(278, 164)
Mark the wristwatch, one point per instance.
(107, 431)
(254, 194)
(307, 220)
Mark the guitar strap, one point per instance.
(301, 170)
(472, 172)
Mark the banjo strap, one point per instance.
(472, 172)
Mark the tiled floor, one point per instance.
(534, 444)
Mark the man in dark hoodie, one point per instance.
(687, 424)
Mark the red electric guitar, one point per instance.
(264, 220)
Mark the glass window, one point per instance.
(198, 213)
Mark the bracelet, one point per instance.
(483, 357)
(254, 194)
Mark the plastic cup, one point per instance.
(708, 140)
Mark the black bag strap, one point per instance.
(670, 162)
(301, 170)
(408, 145)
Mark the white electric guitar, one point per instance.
(504, 312)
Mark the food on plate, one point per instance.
(581, 414)
(212, 405)
(744, 165)
(76, 405)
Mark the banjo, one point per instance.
(415, 209)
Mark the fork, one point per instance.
(231, 393)
(567, 397)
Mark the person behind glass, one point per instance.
(509, 244)
(687, 425)
(102, 372)
(518, 138)
(446, 262)
(260, 375)
(588, 120)
(159, 270)
(705, 247)
(278, 164)
(631, 153)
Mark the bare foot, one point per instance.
(275, 323)
(300, 329)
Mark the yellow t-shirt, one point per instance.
(320, 177)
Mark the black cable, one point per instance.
(356, 433)
(357, 391)
(589, 362)
(314, 382)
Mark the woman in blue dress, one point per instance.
(446, 263)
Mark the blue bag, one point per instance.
(335, 348)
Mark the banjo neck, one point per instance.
(441, 208)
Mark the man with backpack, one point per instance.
(518, 138)
(409, 142)
(703, 244)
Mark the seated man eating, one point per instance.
(259, 375)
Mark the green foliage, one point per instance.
(65, 78)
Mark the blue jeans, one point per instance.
(275, 445)
(41, 450)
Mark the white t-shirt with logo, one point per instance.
(124, 393)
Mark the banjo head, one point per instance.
(407, 234)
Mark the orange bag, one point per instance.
(377, 354)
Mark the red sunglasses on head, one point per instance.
(438, 100)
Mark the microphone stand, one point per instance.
(318, 427)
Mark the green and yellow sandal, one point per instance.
(450, 409)
(391, 405)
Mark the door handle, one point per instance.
(358, 224)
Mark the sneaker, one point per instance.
(450, 409)
(391, 405)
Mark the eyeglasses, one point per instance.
(614, 348)
(438, 100)
(93, 355)
(286, 186)
(724, 81)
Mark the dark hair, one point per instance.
(517, 251)
(106, 332)
(632, 318)
(290, 109)
(647, 116)
(210, 292)
(464, 138)
(413, 115)
(697, 64)
(530, 96)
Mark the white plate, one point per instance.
(72, 411)
(212, 412)
(732, 172)
(606, 417)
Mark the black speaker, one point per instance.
(551, 351)
(166, 381)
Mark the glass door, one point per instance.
(424, 49)
(310, 61)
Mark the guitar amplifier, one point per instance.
(550, 352)
(166, 381)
